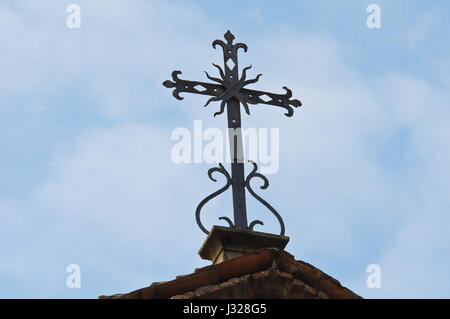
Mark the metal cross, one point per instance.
(230, 91)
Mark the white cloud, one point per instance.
(422, 28)
(121, 53)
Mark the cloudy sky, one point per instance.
(86, 175)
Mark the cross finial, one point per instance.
(231, 91)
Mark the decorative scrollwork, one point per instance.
(229, 49)
(255, 222)
(230, 223)
(232, 87)
(229, 86)
(281, 100)
(196, 87)
(224, 172)
(262, 201)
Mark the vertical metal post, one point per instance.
(235, 140)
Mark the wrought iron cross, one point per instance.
(231, 92)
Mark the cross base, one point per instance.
(225, 243)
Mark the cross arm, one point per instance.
(280, 100)
(196, 87)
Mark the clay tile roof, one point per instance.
(267, 273)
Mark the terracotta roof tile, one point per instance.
(267, 273)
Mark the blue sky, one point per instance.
(85, 125)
